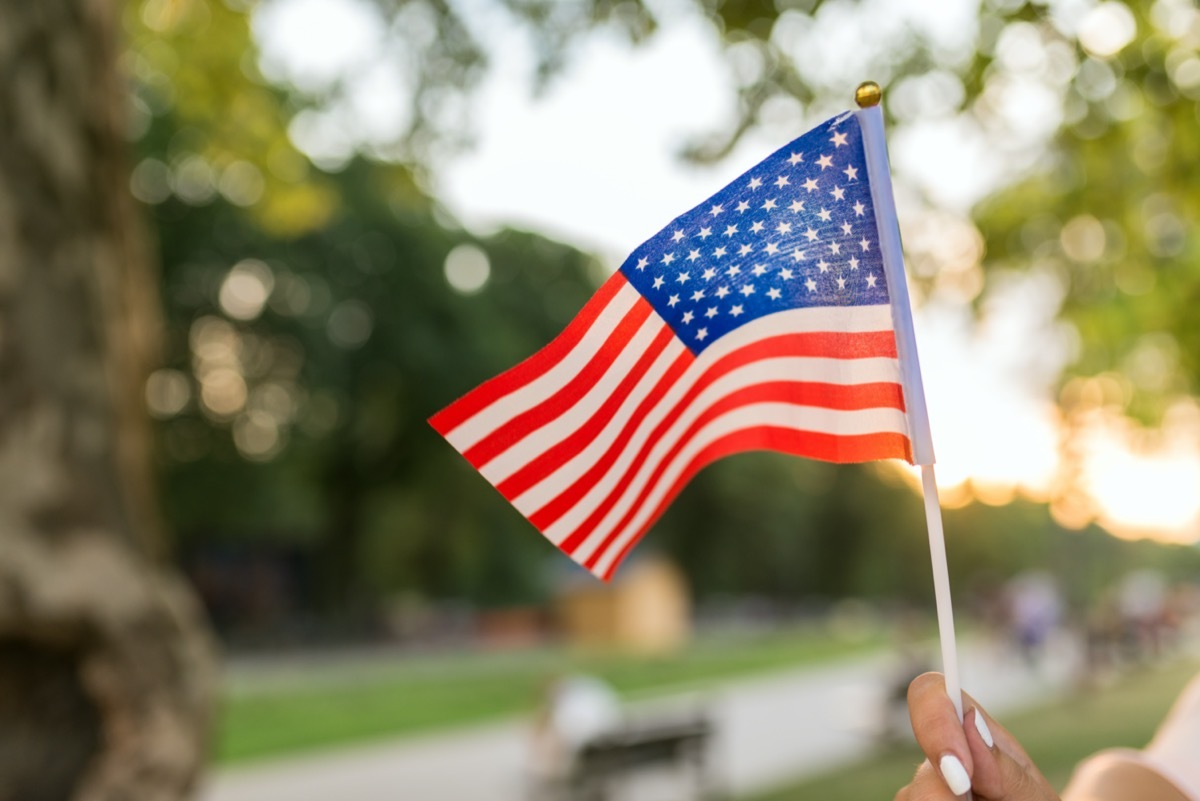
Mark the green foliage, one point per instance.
(193, 62)
(311, 328)
(1113, 210)
(790, 528)
(302, 421)
(359, 459)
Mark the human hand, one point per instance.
(977, 754)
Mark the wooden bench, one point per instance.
(602, 762)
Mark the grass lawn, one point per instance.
(430, 693)
(1056, 735)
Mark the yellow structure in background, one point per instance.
(645, 610)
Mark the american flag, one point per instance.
(759, 320)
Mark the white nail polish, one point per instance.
(984, 731)
(955, 774)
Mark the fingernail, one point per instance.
(984, 732)
(955, 774)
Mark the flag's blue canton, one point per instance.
(797, 230)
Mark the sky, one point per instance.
(594, 161)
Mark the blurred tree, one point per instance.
(1090, 108)
(314, 318)
(301, 369)
(106, 667)
(1110, 213)
(312, 363)
(777, 60)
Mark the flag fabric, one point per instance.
(758, 320)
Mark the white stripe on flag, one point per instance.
(834, 371)
(824, 421)
(555, 430)
(502, 410)
(555, 482)
(789, 322)
(856, 319)
(782, 415)
(818, 319)
(830, 371)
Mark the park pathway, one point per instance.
(769, 730)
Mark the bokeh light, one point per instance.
(1083, 239)
(241, 183)
(246, 289)
(467, 269)
(257, 435)
(167, 392)
(350, 324)
(1107, 29)
(223, 391)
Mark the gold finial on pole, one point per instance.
(867, 94)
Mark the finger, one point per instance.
(927, 785)
(988, 778)
(1001, 736)
(939, 732)
(1001, 774)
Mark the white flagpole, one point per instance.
(870, 119)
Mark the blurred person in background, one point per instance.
(1034, 611)
(575, 710)
(1142, 600)
(980, 755)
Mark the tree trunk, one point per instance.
(106, 665)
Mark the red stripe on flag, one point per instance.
(545, 516)
(540, 414)
(558, 455)
(830, 448)
(515, 377)
(829, 396)
(871, 344)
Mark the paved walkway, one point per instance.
(770, 730)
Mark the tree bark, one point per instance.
(106, 666)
